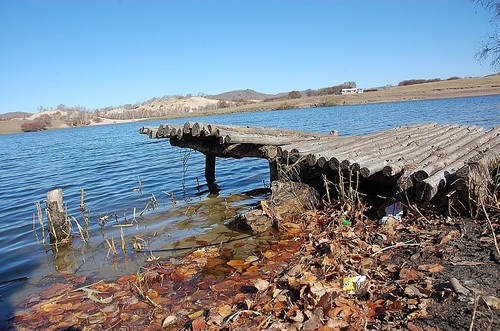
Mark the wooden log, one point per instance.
(58, 223)
(352, 143)
(340, 146)
(320, 144)
(179, 132)
(330, 152)
(428, 188)
(379, 161)
(279, 132)
(389, 145)
(392, 147)
(152, 133)
(452, 152)
(416, 157)
(173, 131)
(160, 131)
(186, 128)
(335, 160)
(311, 159)
(321, 161)
(200, 129)
(314, 151)
(163, 131)
(474, 179)
(254, 138)
(270, 152)
(146, 129)
(380, 138)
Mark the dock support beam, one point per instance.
(273, 170)
(210, 168)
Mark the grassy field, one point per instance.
(465, 87)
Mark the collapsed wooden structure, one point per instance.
(424, 158)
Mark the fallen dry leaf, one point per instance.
(225, 310)
(492, 302)
(410, 274)
(452, 234)
(251, 259)
(239, 265)
(152, 294)
(269, 254)
(196, 314)
(431, 267)
(261, 284)
(169, 320)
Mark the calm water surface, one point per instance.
(108, 162)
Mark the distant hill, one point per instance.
(13, 115)
(247, 94)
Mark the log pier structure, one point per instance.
(421, 160)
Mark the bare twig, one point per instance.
(492, 230)
(139, 188)
(146, 298)
(476, 300)
(80, 230)
(395, 246)
(40, 219)
(230, 317)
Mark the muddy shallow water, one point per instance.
(111, 162)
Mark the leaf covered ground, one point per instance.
(420, 274)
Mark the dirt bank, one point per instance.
(466, 87)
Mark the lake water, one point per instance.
(111, 162)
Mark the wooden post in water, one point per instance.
(210, 168)
(57, 221)
(273, 170)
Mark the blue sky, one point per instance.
(108, 53)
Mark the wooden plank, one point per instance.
(334, 159)
(429, 187)
(278, 132)
(231, 137)
(379, 161)
(454, 151)
(348, 143)
(212, 146)
(416, 157)
(393, 147)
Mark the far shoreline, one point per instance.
(460, 88)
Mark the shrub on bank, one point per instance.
(33, 126)
(418, 81)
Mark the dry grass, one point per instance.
(466, 87)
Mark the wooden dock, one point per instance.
(424, 158)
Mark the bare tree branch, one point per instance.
(491, 48)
